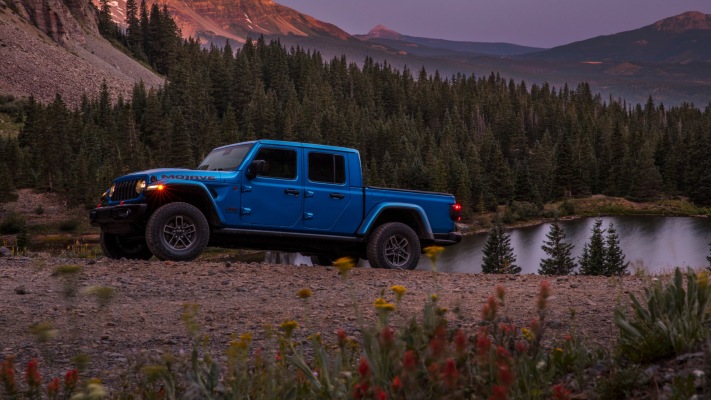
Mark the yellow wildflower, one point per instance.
(382, 305)
(527, 334)
(304, 293)
(344, 265)
(399, 291)
(288, 327)
(432, 252)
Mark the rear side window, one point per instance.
(278, 163)
(327, 168)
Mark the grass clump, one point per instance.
(671, 320)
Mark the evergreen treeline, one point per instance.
(488, 140)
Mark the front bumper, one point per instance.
(121, 215)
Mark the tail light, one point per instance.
(455, 212)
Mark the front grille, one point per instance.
(125, 190)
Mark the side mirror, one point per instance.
(257, 167)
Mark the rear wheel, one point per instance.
(120, 246)
(393, 245)
(177, 232)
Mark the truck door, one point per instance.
(327, 196)
(273, 198)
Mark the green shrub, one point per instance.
(69, 225)
(670, 321)
(13, 223)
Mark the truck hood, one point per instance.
(172, 174)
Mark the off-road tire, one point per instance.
(128, 247)
(393, 245)
(177, 232)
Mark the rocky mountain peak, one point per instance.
(684, 22)
(383, 32)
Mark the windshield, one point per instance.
(225, 158)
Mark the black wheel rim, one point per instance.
(397, 250)
(179, 233)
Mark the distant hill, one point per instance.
(427, 47)
(683, 39)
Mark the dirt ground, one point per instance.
(144, 315)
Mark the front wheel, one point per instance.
(177, 232)
(128, 247)
(393, 245)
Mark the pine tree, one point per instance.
(8, 193)
(499, 257)
(614, 258)
(592, 261)
(559, 260)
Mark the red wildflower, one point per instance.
(53, 388)
(342, 338)
(32, 375)
(501, 352)
(460, 342)
(500, 292)
(363, 367)
(499, 393)
(359, 391)
(7, 375)
(380, 394)
(483, 343)
(505, 375)
(450, 375)
(409, 360)
(387, 337)
(490, 309)
(397, 384)
(544, 293)
(560, 392)
(567, 338)
(521, 347)
(70, 380)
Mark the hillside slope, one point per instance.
(60, 51)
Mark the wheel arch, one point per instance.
(196, 195)
(409, 214)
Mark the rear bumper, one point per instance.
(447, 239)
(112, 215)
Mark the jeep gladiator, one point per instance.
(272, 195)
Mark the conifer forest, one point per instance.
(486, 139)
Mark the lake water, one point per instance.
(652, 243)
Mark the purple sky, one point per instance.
(541, 23)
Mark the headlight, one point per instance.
(140, 185)
(111, 191)
(105, 196)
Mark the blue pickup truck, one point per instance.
(272, 195)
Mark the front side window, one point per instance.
(278, 163)
(327, 168)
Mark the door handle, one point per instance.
(291, 192)
(337, 195)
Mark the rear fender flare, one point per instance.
(424, 229)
